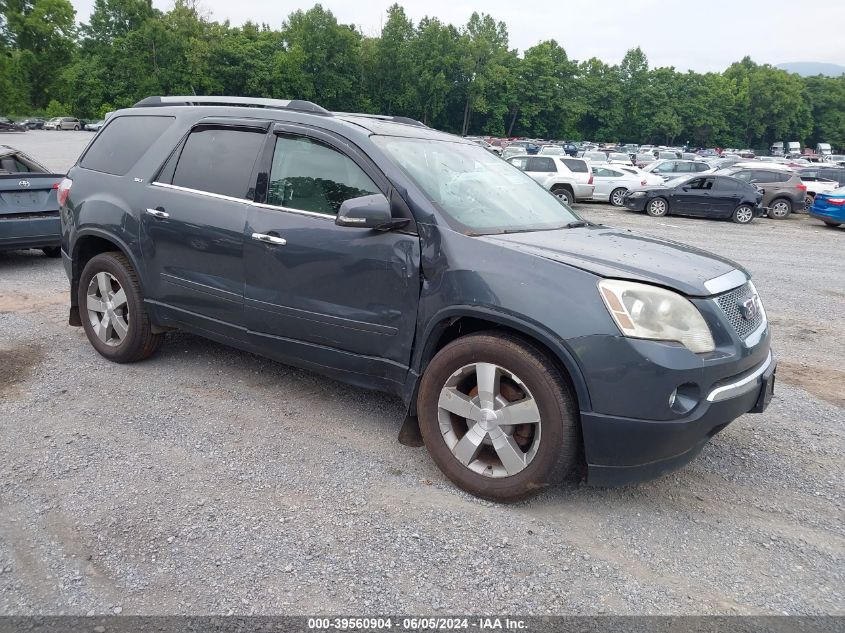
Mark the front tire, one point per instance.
(497, 417)
(617, 197)
(112, 311)
(658, 208)
(743, 214)
(780, 209)
(829, 223)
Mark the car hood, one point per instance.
(623, 254)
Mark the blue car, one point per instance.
(830, 207)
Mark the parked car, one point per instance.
(571, 149)
(618, 158)
(63, 123)
(594, 157)
(29, 210)
(526, 146)
(394, 257)
(7, 125)
(569, 179)
(513, 150)
(827, 171)
(783, 190)
(32, 124)
(612, 183)
(816, 185)
(95, 126)
(707, 196)
(551, 150)
(668, 169)
(829, 207)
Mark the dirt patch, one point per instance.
(824, 382)
(25, 303)
(16, 363)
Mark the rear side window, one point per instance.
(575, 165)
(541, 164)
(122, 143)
(219, 160)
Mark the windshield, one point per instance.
(479, 191)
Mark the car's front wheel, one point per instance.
(743, 214)
(112, 310)
(657, 208)
(617, 197)
(497, 417)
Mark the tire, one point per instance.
(617, 196)
(658, 208)
(552, 445)
(137, 340)
(808, 201)
(564, 194)
(76, 128)
(743, 214)
(780, 209)
(52, 251)
(829, 223)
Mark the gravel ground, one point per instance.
(208, 480)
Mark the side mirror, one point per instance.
(368, 212)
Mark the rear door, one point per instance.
(192, 229)
(322, 295)
(540, 167)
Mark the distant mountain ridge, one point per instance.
(810, 69)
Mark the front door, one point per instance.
(317, 294)
(192, 228)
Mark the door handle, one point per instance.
(269, 239)
(157, 213)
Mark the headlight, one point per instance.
(649, 312)
(636, 194)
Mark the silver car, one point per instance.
(612, 182)
(570, 179)
(63, 123)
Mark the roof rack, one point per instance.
(249, 102)
(384, 117)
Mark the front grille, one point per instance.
(731, 303)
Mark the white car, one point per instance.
(595, 157)
(669, 169)
(568, 178)
(612, 182)
(619, 158)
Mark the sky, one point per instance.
(700, 35)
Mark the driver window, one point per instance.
(309, 176)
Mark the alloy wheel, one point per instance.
(780, 209)
(489, 420)
(563, 194)
(658, 207)
(617, 197)
(107, 309)
(744, 215)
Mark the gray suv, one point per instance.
(783, 190)
(528, 345)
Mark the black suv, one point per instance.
(377, 251)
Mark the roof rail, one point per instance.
(384, 117)
(249, 102)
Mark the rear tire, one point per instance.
(780, 209)
(617, 196)
(52, 251)
(658, 208)
(808, 201)
(829, 223)
(112, 310)
(479, 451)
(743, 214)
(564, 193)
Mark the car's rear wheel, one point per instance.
(112, 310)
(808, 201)
(780, 209)
(617, 197)
(497, 417)
(52, 251)
(76, 128)
(564, 194)
(743, 214)
(657, 208)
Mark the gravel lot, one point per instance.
(208, 480)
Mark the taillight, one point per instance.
(590, 181)
(801, 186)
(63, 190)
(838, 201)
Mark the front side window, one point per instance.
(576, 165)
(219, 160)
(309, 176)
(474, 189)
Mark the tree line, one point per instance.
(463, 79)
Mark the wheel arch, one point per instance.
(88, 244)
(453, 323)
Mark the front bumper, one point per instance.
(36, 232)
(635, 204)
(626, 450)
